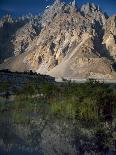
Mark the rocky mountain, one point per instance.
(16, 35)
(4, 12)
(66, 41)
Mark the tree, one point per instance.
(4, 88)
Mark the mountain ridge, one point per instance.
(66, 41)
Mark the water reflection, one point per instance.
(45, 136)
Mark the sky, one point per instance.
(21, 7)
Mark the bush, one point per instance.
(87, 110)
(65, 108)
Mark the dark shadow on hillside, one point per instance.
(7, 32)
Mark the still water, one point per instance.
(57, 127)
(44, 135)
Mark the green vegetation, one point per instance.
(89, 102)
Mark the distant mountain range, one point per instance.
(4, 13)
(11, 13)
(66, 41)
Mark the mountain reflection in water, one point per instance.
(45, 136)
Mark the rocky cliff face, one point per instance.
(109, 38)
(17, 35)
(66, 41)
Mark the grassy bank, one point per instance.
(92, 101)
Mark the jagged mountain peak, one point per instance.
(58, 9)
(91, 9)
(64, 42)
(57, 1)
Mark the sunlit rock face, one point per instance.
(66, 41)
(109, 39)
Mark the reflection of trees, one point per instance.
(4, 88)
(36, 129)
(34, 137)
(9, 137)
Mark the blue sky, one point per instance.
(20, 7)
